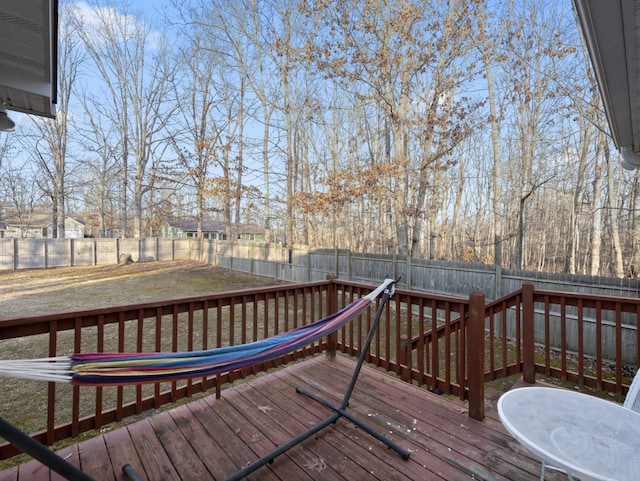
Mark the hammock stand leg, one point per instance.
(40, 452)
(48, 457)
(339, 411)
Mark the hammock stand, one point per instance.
(338, 411)
(49, 458)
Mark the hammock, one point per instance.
(104, 369)
(127, 368)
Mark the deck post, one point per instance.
(475, 355)
(528, 334)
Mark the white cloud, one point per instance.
(107, 24)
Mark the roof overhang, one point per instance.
(28, 56)
(611, 30)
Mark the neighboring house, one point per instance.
(212, 229)
(74, 228)
(40, 226)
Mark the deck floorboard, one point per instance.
(210, 439)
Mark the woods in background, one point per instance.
(461, 130)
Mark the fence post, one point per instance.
(528, 334)
(15, 253)
(394, 265)
(475, 355)
(497, 286)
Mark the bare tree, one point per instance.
(100, 170)
(613, 211)
(21, 194)
(51, 141)
(201, 128)
(596, 223)
(135, 76)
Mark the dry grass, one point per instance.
(42, 291)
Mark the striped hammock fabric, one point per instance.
(104, 369)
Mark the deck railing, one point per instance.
(55, 411)
(448, 345)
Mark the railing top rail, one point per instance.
(17, 326)
(509, 299)
(432, 296)
(587, 300)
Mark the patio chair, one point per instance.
(631, 401)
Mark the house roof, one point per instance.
(28, 55)
(611, 30)
(36, 220)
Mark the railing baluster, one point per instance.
(422, 355)
(580, 327)
(618, 341)
(435, 347)
(174, 348)
(99, 390)
(190, 333)
(563, 340)
(598, 345)
(139, 348)
(547, 337)
(75, 396)
(158, 348)
(51, 386)
(120, 389)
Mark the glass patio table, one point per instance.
(588, 437)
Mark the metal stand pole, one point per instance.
(339, 411)
(48, 457)
(40, 452)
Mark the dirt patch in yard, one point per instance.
(40, 291)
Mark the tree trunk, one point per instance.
(618, 265)
(596, 222)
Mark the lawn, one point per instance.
(40, 291)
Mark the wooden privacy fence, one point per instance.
(301, 264)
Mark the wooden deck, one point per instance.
(211, 439)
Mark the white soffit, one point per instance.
(28, 55)
(611, 30)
